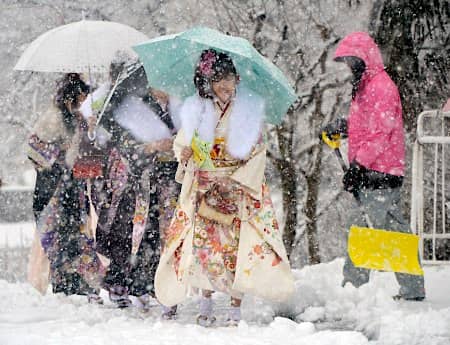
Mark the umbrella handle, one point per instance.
(105, 104)
(120, 78)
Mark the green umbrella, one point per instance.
(170, 62)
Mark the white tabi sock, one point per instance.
(206, 306)
(234, 314)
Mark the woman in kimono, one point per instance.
(60, 203)
(140, 191)
(224, 235)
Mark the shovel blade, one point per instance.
(384, 250)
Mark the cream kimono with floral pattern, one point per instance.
(247, 257)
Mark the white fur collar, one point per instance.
(135, 115)
(244, 126)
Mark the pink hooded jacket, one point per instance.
(375, 125)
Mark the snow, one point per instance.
(29, 318)
(324, 313)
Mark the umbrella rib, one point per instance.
(44, 38)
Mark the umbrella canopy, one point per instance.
(83, 47)
(170, 62)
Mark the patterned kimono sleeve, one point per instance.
(43, 145)
(42, 154)
(251, 174)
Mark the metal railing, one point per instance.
(428, 195)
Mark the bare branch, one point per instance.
(322, 56)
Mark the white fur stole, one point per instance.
(244, 126)
(140, 120)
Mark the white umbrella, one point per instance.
(82, 47)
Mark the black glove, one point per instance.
(354, 178)
(339, 126)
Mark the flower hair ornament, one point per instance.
(206, 63)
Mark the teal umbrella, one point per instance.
(170, 62)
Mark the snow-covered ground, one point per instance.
(324, 313)
(320, 312)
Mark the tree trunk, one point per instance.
(289, 192)
(312, 196)
(289, 175)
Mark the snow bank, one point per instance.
(324, 313)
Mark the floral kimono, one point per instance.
(247, 256)
(139, 195)
(62, 207)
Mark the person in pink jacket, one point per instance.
(376, 151)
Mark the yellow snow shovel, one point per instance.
(376, 248)
(384, 250)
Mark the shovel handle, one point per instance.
(338, 154)
(354, 192)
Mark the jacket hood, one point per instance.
(361, 45)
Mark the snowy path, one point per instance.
(325, 314)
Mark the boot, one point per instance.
(119, 295)
(144, 302)
(94, 298)
(169, 313)
(407, 298)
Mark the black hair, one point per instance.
(212, 67)
(68, 89)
